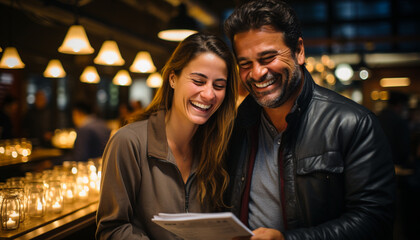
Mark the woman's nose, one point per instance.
(208, 92)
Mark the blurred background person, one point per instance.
(38, 123)
(394, 119)
(8, 109)
(92, 133)
(124, 110)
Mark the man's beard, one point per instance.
(286, 91)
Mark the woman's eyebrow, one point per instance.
(198, 74)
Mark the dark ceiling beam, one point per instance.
(93, 26)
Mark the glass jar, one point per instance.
(55, 196)
(35, 194)
(10, 210)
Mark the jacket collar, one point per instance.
(157, 144)
(249, 111)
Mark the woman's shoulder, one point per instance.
(132, 130)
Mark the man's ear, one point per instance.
(300, 52)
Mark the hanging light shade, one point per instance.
(143, 63)
(54, 69)
(122, 78)
(76, 42)
(11, 59)
(179, 27)
(90, 75)
(154, 80)
(109, 54)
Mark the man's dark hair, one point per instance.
(257, 13)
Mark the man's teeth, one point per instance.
(263, 84)
(203, 106)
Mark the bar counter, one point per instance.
(73, 218)
(36, 156)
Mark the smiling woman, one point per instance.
(170, 158)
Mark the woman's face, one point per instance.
(199, 89)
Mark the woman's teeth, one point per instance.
(264, 84)
(200, 105)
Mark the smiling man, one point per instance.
(304, 161)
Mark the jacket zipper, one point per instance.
(187, 187)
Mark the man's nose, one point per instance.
(258, 71)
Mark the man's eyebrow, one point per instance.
(259, 55)
(267, 52)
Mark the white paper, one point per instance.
(203, 226)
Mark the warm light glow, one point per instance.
(109, 54)
(374, 95)
(143, 63)
(344, 73)
(395, 82)
(384, 95)
(76, 41)
(90, 75)
(122, 78)
(330, 79)
(11, 59)
(319, 67)
(54, 69)
(154, 80)
(364, 74)
(175, 35)
(39, 206)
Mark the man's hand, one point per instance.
(267, 234)
(263, 234)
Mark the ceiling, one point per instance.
(37, 28)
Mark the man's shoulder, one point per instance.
(334, 100)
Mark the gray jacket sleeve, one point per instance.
(119, 185)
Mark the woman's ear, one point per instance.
(172, 78)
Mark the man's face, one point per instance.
(268, 68)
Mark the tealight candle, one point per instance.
(10, 224)
(39, 207)
(56, 207)
(82, 194)
(69, 194)
(14, 215)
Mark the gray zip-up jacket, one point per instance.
(141, 179)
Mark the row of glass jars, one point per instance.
(47, 192)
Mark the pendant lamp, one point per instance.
(179, 27)
(109, 54)
(90, 75)
(54, 69)
(11, 59)
(154, 80)
(122, 78)
(143, 63)
(76, 42)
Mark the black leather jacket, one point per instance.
(338, 176)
